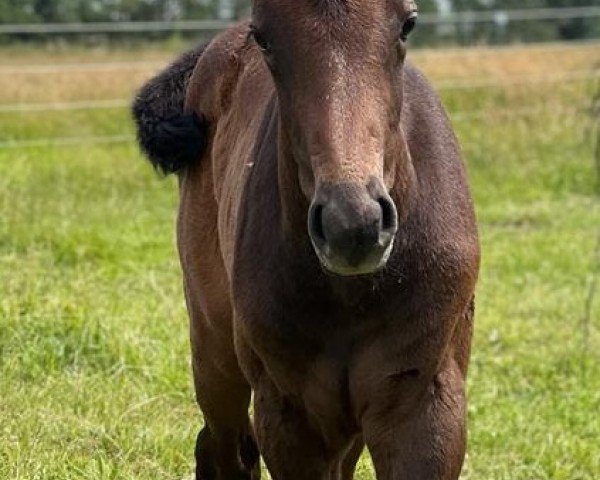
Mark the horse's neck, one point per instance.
(294, 204)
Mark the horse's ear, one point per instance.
(170, 138)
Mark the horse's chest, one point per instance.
(316, 340)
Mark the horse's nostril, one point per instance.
(316, 223)
(388, 214)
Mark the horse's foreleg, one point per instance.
(291, 447)
(350, 459)
(426, 444)
(345, 466)
(225, 449)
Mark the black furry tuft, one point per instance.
(170, 139)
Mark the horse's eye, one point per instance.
(408, 26)
(261, 40)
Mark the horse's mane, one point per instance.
(170, 138)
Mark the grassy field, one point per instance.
(94, 363)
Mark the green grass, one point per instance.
(94, 359)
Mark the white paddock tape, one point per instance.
(65, 106)
(448, 85)
(44, 69)
(66, 142)
(490, 113)
(515, 80)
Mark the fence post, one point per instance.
(226, 10)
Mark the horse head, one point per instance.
(336, 66)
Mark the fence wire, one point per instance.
(65, 106)
(77, 141)
(79, 67)
(66, 141)
(133, 65)
(121, 103)
(442, 86)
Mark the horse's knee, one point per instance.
(426, 444)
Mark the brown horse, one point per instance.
(328, 244)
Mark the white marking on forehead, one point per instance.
(337, 61)
(338, 68)
(341, 101)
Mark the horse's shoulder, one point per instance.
(217, 71)
(445, 204)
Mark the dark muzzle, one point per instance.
(352, 227)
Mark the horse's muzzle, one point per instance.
(352, 227)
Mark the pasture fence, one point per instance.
(64, 106)
(66, 141)
(77, 141)
(78, 67)
(146, 65)
(498, 16)
(448, 85)
(152, 66)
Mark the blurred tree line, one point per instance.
(500, 31)
(58, 11)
